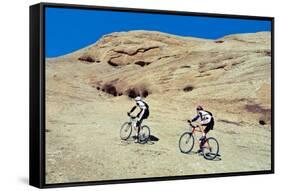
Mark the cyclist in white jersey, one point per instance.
(143, 114)
(207, 120)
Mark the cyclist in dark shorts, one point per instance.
(206, 120)
(143, 114)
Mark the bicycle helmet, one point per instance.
(138, 98)
(199, 108)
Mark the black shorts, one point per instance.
(145, 115)
(209, 126)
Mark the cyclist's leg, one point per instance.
(143, 115)
(201, 130)
(140, 117)
(138, 124)
(203, 138)
(138, 130)
(208, 127)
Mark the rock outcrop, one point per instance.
(231, 73)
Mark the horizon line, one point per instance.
(171, 34)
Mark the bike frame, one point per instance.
(134, 127)
(201, 131)
(133, 121)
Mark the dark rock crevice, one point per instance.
(142, 50)
(87, 59)
(219, 41)
(111, 62)
(142, 63)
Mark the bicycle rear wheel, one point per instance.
(211, 148)
(126, 131)
(186, 142)
(144, 134)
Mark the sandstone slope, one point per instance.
(88, 93)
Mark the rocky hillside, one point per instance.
(230, 74)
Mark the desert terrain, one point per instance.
(89, 92)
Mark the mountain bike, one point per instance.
(210, 146)
(128, 127)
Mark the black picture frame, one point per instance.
(37, 95)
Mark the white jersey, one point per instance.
(205, 117)
(142, 105)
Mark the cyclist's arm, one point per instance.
(133, 109)
(195, 118)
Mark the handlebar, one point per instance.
(190, 123)
(129, 114)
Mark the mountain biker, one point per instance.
(143, 114)
(207, 120)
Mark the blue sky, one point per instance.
(68, 29)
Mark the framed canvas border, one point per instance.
(37, 144)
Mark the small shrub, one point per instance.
(262, 122)
(132, 93)
(145, 93)
(109, 88)
(188, 88)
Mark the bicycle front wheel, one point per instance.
(126, 131)
(144, 134)
(211, 148)
(186, 142)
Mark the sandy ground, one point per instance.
(83, 142)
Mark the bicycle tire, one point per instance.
(126, 131)
(144, 134)
(211, 154)
(185, 139)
